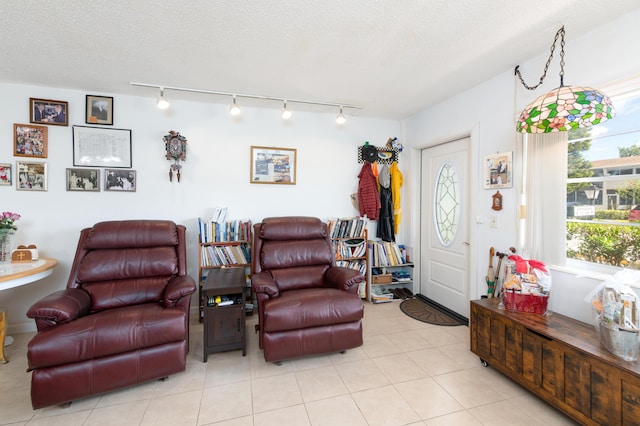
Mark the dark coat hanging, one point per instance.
(385, 220)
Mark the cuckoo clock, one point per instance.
(176, 146)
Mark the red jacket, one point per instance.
(368, 197)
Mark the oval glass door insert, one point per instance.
(446, 204)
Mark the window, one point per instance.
(603, 189)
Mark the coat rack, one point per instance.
(385, 155)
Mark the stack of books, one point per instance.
(347, 228)
(225, 255)
(386, 254)
(232, 230)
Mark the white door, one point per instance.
(444, 227)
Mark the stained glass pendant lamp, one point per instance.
(566, 107)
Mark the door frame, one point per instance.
(474, 219)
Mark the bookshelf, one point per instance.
(389, 270)
(224, 245)
(349, 238)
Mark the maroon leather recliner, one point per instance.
(306, 304)
(123, 317)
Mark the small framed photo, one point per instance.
(29, 140)
(47, 111)
(83, 180)
(120, 180)
(273, 165)
(101, 147)
(498, 170)
(31, 176)
(99, 110)
(5, 174)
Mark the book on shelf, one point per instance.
(231, 230)
(224, 255)
(350, 248)
(347, 228)
(385, 253)
(219, 215)
(353, 264)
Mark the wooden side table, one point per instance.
(14, 275)
(224, 311)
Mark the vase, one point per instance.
(5, 247)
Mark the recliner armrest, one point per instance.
(263, 282)
(60, 307)
(177, 288)
(343, 278)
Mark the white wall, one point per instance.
(601, 57)
(216, 173)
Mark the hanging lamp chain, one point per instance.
(559, 34)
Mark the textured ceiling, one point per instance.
(393, 57)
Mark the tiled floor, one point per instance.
(407, 373)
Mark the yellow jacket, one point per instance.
(396, 182)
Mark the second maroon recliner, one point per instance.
(306, 304)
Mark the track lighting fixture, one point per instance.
(162, 102)
(235, 109)
(286, 114)
(341, 119)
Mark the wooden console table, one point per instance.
(559, 359)
(14, 275)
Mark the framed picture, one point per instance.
(120, 180)
(273, 165)
(46, 111)
(100, 147)
(83, 180)
(5, 174)
(99, 110)
(29, 140)
(498, 170)
(31, 176)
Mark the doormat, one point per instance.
(426, 310)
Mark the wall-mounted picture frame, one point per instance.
(120, 180)
(48, 111)
(101, 147)
(5, 174)
(498, 170)
(273, 165)
(30, 140)
(99, 110)
(31, 176)
(83, 180)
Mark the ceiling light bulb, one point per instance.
(162, 102)
(341, 119)
(286, 114)
(235, 109)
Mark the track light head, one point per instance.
(235, 109)
(162, 102)
(286, 114)
(341, 119)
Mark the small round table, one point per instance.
(14, 275)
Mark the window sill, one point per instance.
(589, 270)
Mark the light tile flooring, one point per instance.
(407, 373)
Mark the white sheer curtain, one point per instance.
(544, 191)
